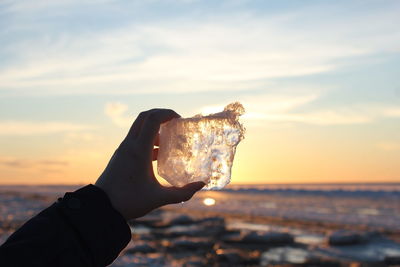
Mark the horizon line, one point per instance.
(241, 184)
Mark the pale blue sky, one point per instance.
(74, 70)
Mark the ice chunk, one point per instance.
(200, 148)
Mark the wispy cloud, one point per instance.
(20, 128)
(117, 112)
(237, 51)
(324, 117)
(39, 5)
(292, 108)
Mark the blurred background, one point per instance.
(319, 80)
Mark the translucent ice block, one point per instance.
(200, 148)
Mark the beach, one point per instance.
(249, 225)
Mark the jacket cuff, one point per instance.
(101, 228)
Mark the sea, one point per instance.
(374, 205)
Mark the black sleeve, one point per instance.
(81, 229)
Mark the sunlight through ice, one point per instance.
(200, 148)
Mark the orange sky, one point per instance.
(266, 155)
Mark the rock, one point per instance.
(191, 230)
(181, 230)
(194, 263)
(231, 256)
(213, 220)
(187, 260)
(284, 255)
(375, 251)
(140, 230)
(135, 260)
(141, 248)
(181, 220)
(392, 260)
(147, 221)
(345, 238)
(214, 231)
(271, 238)
(231, 236)
(144, 237)
(191, 244)
(213, 226)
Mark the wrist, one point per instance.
(111, 197)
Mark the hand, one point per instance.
(129, 179)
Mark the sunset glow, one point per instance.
(209, 201)
(319, 85)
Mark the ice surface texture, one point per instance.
(200, 148)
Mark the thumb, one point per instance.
(184, 193)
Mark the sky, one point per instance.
(319, 81)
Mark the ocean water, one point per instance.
(371, 205)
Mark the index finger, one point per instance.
(151, 126)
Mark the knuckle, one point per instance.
(122, 151)
(152, 116)
(142, 114)
(187, 197)
(174, 200)
(122, 147)
(137, 151)
(130, 149)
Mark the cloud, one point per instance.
(21, 128)
(324, 117)
(334, 116)
(117, 112)
(19, 163)
(258, 107)
(237, 51)
(297, 108)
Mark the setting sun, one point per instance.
(209, 201)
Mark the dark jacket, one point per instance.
(81, 229)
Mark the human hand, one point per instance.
(129, 179)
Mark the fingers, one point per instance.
(151, 126)
(155, 153)
(180, 194)
(136, 126)
(157, 140)
(149, 121)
